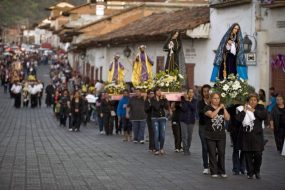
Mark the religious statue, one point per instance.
(230, 58)
(142, 67)
(116, 70)
(172, 46)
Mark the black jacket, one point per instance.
(253, 140)
(157, 107)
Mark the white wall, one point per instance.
(221, 20)
(104, 56)
(269, 23)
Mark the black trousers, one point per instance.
(34, 100)
(216, 150)
(253, 162)
(108, 124)
(238, 155)
(17, 98)
(40, 101)
(63, 118)
(127, 125)
(150, 134)
(204, 146)
(279, 136)
(76, 118)
(176, 129)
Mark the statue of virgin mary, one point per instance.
(230, 58)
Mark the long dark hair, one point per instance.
(262, 95)
(204, 86)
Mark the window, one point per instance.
(101, 73)
(159, 63)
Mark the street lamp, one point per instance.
(247, 43)
(127, 52)
(82, 56)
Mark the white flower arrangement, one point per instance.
(113, 88)
(169, 81)
(233, 90)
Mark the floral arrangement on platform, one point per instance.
(169, 81)
(114, 88)
(233, 90)
(146, 85)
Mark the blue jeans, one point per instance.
(138, 129)
(159, 125)
(100, 123)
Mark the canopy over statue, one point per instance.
(230, 58)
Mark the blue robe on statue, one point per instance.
(233, 60)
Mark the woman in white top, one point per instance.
(17, 89)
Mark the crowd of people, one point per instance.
(68, 96)
(18, 73)
(134, 112)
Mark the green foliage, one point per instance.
(233, 90)
(27, 12)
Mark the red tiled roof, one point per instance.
(156, 25)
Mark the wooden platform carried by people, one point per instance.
(170, 96)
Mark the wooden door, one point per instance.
(159, 64)
(190, 75)
(277, 69)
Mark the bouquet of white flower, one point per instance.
(233, 90)
(169, 81)
(146, 85)
(113, 88)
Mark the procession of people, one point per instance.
(77, 100)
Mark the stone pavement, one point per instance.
(35, 153)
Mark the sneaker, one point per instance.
(101, 132)
(135, 141)
(206, 171)
(176, 150)
(224, 175)
(162, 152)
(235, 173)
(257, 176)
(70, 130)
(156, 153)
(250, 177)
(142, 141)
(215, 176)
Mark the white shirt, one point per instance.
(33, 90)
(16, 88)
(98, 86)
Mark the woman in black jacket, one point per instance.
(76, 111)
(108, 114)
(158, 117)
(251, 115)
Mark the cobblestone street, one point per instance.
(35, 153)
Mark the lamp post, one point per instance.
(127, 52)
(247, 43)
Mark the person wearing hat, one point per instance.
(142, 67)
(116, 70)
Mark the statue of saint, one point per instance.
(230, 58)
(116, 70)
(172, 46)
(142, 67)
